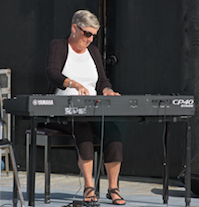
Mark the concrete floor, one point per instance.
(137, 191)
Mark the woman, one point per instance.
(74, 67)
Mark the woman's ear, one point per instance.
(74, 28)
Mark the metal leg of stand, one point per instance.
(165, 164)
(15, 198)
(188, 167)
(47, 155)
(32, 163)
(27, 164)
(47, 164)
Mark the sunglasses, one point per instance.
(87, 34)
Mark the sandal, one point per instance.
(114, 191)
(93, 201)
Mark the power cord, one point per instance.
(102, 141)
(77, 203)
(164, 147)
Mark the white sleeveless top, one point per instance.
(82, 69)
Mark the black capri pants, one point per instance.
(84, 133)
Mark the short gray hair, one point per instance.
(84, 18)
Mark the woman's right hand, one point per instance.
(73, 84)
(81, 89)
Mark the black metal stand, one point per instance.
(32, 160)
(15, 199)
(188, 165)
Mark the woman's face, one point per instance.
(81, 36)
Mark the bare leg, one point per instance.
(113, 169)
(86, 167)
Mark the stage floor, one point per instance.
(137, 191)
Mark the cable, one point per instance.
(164, 139)
(74, 137)
(73, 126)
(79, 203)
(102, 140)
(73, 134)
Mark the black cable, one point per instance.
(164, 146)
(73, 127)
(73, 134)
(74, 137)
(101, 151)
(101, 147)
(69, 205)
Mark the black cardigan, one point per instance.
(56, 58)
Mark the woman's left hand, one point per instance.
(107, 92)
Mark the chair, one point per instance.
(4, 134)
(54, 138)
(4, 143)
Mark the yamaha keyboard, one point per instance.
(125, 105)
(38, 108)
